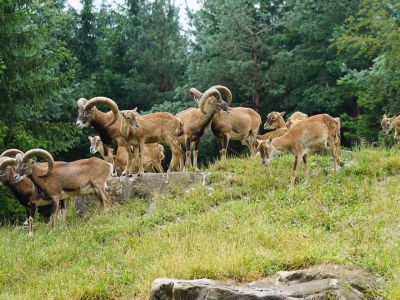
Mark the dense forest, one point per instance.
(339, 57)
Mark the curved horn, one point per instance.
(6, 161)
(41, 153)
(81, 102)
(107, 102)
(11, 153)
(195, 94)
(207, 94)
(225, 91)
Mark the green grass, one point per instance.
(251, 225)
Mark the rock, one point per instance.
(150, 184)
(147, 185)
(322, 282)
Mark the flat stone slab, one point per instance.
(147, 185)
(322, 282)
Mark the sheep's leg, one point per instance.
(306, 166)
(295, 169)
(173, 154)
(176, 152)
(158, 167)
(32, 210)
(337, 154)
(27, 210)
(334, 153)
(139, 149)
(253, 143)
(172, 163)
(114, 158)
(195, 153)
(102, 200)
(63, 213)
(132, 169)
(224, 148)
(105, 200)
(397, 138)
(54, 209)
(136, 158)
(188, 161)
(248, 144)
(181, 160)
(128, 167)
(219, 143)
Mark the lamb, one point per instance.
(296, 117)
(153, 156)
(313, 133)
(162, 127)
(390, 123)
(274, 121)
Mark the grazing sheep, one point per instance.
(314, 133)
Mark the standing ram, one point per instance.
(106, 124)
(60, 180)
(196, 120)
(25, 192)
(241, 124)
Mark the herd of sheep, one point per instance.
(130, 143)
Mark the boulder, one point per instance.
(147, 185)
(322, 282)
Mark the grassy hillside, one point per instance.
(250, 225)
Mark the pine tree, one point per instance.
(368, 46)
(34, 68)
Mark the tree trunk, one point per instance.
(256, 76)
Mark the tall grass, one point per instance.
(249, 225)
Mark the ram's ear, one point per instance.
(283, 113)
(384, 116)
(90, 138)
